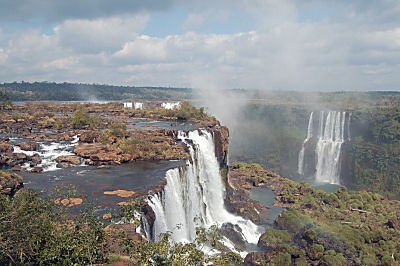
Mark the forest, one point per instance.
(39, 91)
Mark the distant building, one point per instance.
(171, 106)
(138, 106)
(127, 105)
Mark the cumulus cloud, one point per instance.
(58, 11)
(293, 45)
(93, 36)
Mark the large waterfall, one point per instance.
(330, 137)
(194, 195)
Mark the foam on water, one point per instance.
(194, 195)
(49, 152)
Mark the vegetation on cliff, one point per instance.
(270, 135)
(356, 227)
(373, 158)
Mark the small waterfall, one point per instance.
(331, 135)
(300, 166)
(194, 195)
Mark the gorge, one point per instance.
(175, 164)
(332, 129)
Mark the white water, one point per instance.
(330, 137)
(329, 147)
(171, 106)
(300, 163)
(49, 152)
(194, 195)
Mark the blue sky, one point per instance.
(264, 44)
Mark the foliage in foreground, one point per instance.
(166, 252)
(34, 231)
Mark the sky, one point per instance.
(318, 45)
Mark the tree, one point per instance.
(5, 102)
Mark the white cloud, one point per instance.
(143, 49)
(93, 36)
(3, 56)
(280, 53)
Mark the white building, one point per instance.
(171, 106)
(138, 106)
(127, 105)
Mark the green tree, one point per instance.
(5, 102)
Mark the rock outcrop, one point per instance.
(221, 140)
(5, 147)
(72, 159)
(120, 193)
(10, 183)
(101, 154)
(28, 146)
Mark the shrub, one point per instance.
(273, 236)
(82, 119)
(282, 259)
(32, 231)
(316, 252)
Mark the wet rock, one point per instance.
(36, 159)
(72, 159)
(63, 165)
(27, 146)
(36, 169)
(66, 137)
(70, 202)
(221, 138)
(233, 233)
(86, 150)
(149, 214)
(20, 156)
(105, 157)
(120, 193)
(10, 183)
(88, 138)
(17, 168)
(4, 160)
(5, 147)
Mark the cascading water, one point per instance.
(49, 152)
(329, 147)
(194, 195)
(300, 168)
(331, 135)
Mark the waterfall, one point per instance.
(194, 195)
(330, 137)
(300, 166)
(329, 147)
